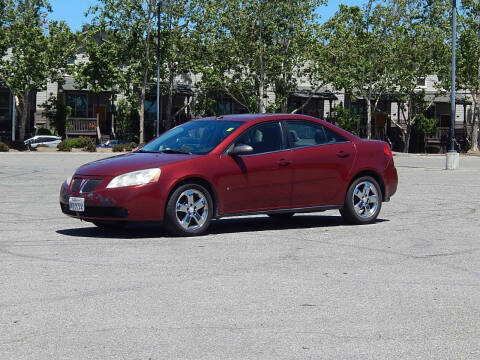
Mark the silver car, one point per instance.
(47, 140)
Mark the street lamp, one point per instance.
(159, 5)
(453, 158)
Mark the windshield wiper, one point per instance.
(172, 151)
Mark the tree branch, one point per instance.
(308, 99)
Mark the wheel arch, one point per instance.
(199, 181)
(373, 174)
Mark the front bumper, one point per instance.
(134, 203)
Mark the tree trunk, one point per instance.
(261, 80)
(170, 102)
(261, 87)
(369, 118)
(407, 135)
(474, 136)
(24, 109)
(142, 115)
(284, 92)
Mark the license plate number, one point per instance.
(76, 204)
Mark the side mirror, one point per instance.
(241, 149)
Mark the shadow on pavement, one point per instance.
(130, 231)
(262, 223)
(222, 226)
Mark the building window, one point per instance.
(78, 104)
(421, 81)
(224, 107)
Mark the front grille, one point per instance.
(98, 212)
(85, 185)
(90, 185)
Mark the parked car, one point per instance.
(47, 140)
(112, 143)
(235, 165)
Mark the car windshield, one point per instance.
(194, 137)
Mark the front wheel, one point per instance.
(189, 210)
(362, 202)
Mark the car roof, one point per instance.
(252, 117)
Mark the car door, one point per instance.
(49, 141)
(321, 164)
(259, 181)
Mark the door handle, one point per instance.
(342, 154)
(283, 162)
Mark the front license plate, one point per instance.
(76, 204)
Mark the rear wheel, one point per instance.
(189, 210)
(281, 217)
(363, 201)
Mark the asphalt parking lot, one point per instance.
(406, 287)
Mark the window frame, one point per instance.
(323, 127)
(74, 110)
(282, 132)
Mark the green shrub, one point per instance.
(73, 143)
(84, 141)
(345, 119)
(3, 147)
(43, 131)
(89, 144)
(56, 112)
(130, 146)
(80, 142)
(64, 146)
(118, 148)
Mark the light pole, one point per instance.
(453, 157)
(159, 5)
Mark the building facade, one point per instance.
(85, 104)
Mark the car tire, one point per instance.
(189, 211)
(363, 201)
(111, 225)
(281, 216)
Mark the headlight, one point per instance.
(140, 177)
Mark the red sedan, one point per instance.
(236, 165)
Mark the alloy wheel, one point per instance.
(191, 209)
(365, 199)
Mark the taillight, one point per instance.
(387, 151)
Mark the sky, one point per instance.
(73, 11)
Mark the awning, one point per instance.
(437, 98)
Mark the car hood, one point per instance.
(122, 164)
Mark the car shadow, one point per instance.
(130, 231)
(221, 226)
(263, 223)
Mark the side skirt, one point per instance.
(283, 211)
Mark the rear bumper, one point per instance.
(141, 203)
(391, 181)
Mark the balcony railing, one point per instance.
(83, 126)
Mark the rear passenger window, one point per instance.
(306, 133)
(333, 137)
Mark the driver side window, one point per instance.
(263, 138)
